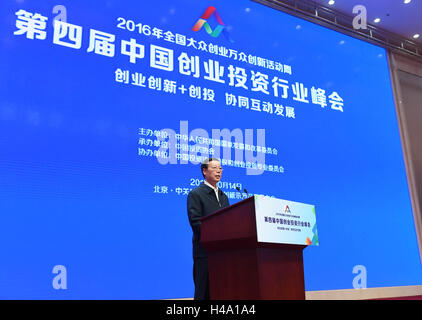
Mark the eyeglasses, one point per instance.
(215, 168)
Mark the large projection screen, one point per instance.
(106, 109)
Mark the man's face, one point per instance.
(213, 173)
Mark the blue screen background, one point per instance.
(75, 192)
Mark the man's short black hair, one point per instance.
(204, 164)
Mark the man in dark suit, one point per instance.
(205, 199)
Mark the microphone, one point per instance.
(238, 189)
(246, 192)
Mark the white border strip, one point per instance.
(362, 294)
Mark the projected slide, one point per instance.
(108, 108)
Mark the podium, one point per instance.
(251, 255)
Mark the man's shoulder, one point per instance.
(199, 189)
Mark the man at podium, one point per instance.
(205, 199)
